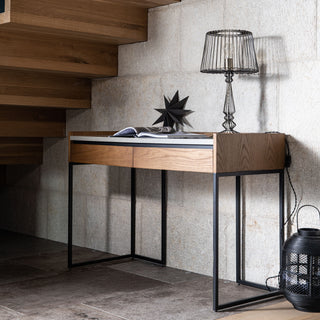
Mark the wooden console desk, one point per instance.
(222, 155)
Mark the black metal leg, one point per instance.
(70, 199)
(281, 214)
(70, 225)
(133, 212)
(215, 242)
(164, 217)
(238, 229)
(163, 259)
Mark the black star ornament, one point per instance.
(174, 112)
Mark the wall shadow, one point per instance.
(273, 67)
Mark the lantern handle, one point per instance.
(306, 205)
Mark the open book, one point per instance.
(157, 132)
(153, 132)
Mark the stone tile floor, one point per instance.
(35, 285)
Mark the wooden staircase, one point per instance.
(49, 52)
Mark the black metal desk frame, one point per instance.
(239, 279)
(162, 261)
(132, 254)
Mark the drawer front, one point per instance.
(177, 159)
(101, 154)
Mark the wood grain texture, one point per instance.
(101, 154)
(178, 159)
(21, 88)
(42, 42)
(278, 311)
(32, 122)
(111, 22)
(36, 52)
(248, 152)
(145, 3)
(20, 151)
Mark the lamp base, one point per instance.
(228, 131)
(229, 124)
(229, 107)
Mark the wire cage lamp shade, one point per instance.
(229, 52)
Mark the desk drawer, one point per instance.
(101, 154)
(177, 159)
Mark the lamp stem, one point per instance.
(229, 107)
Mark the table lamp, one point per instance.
(229, 52)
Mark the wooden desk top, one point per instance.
(223, 153)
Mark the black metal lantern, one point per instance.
(300, 272)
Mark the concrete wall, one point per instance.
(283, 97)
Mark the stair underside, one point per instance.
(49, 52)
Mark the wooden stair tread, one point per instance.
(21, 151)
(30, 51)
(32, 122)
(145, 3)
(106, 21)
(21, 88)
